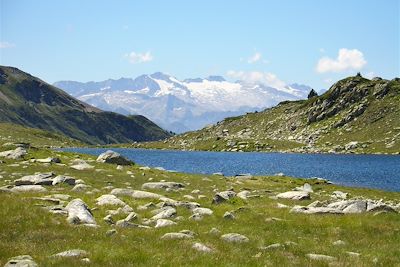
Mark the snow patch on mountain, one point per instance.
(182, 105)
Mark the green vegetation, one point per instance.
(28, 228)
(355, 115)
(28, 101)
(12, 133)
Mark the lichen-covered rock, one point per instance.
(21, 261)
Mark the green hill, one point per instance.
(31, 102)
(355, 115)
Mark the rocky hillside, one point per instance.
(355, 115)
(29, 101)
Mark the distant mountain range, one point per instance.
(29, 101)
(185, 105)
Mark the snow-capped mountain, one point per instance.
(181, 106)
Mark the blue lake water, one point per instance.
(372, 171)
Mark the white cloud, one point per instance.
(6, 45)
(265, 78)
(348, 59)
(135, 57)
(253, 59)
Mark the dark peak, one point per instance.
(312, 94)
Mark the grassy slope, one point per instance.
(28, 101)
(377, 129)
(12, 133)
(28, 229)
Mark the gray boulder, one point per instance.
(320, 257)
(63, 179)
(223, 196)
(164, 223)
(17, 153)
(110, 200)
(73, 253)
(113, 158)
(176, 236)
(202, 248)
(234, 238)
(21, 261)
(165, 213)
(79, 213)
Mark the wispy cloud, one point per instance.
(254, 58)
(4, 45)
(266, 78)
(347, 59)
(135, 57)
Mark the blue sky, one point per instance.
(305, 41)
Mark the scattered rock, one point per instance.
(162, 185)
(202, 211)
(164, 223)
(81, 165)
(223, 196)
(21, 261)
(244, 176)
(36, 179)
(176, 236)
(28, 188)
(202, 248)
(49, 160)
(113, 158)
(63, 179)
(80, 188)
(17, 153)
(294, 195)
(229, 216)
(244, 194)
(73, 253)
(167, 212)
(109, 200)
(234, 238)
(79, 213)
(339, 195)
(320, 257)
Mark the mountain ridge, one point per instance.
(356, 115)
(195, 99)
(29, 101)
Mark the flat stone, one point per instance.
(294, 195)
(122, 192)
(202, 211)
(234, 238)
(168, 236)
(49, 160)
(144, 194)
(162, 185)
(73, 253)
(164, 223)
(28, 188)
(80, 188)
(202, 248)
(21, 261)
(36, 179)
(315, 210)
(110, 200)
(320, 257)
